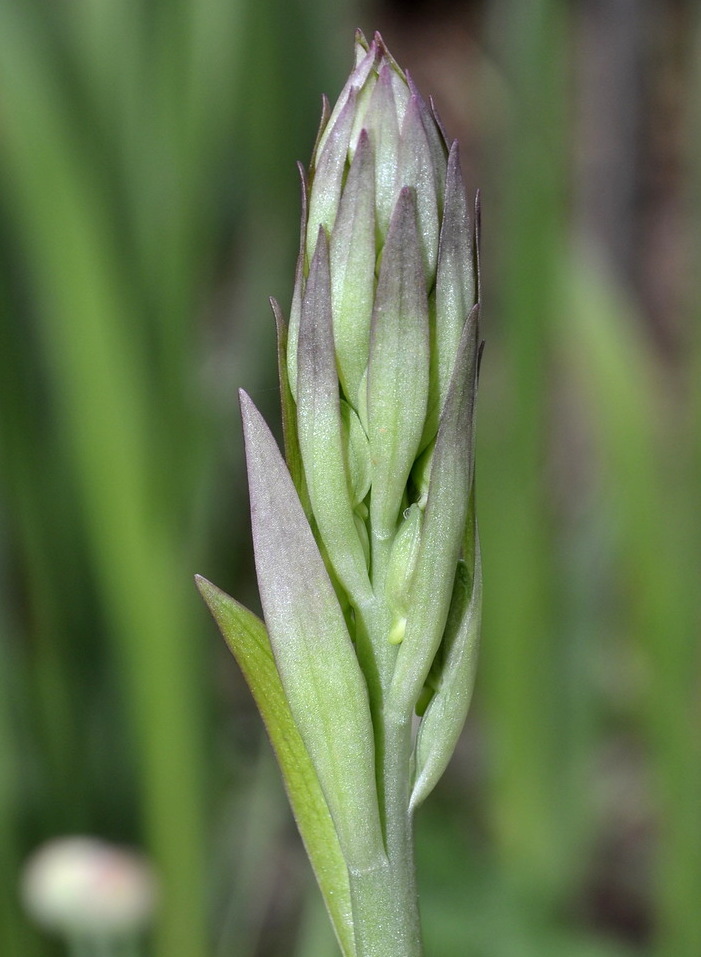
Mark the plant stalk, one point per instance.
(384, 899)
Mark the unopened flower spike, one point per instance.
(365, 536)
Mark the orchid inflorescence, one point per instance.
(365, 538)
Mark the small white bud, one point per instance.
(85, 886)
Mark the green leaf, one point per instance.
(316, 661)
(248, 641)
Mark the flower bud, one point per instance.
(402, 561)
(86, 887)
(387, 262)
(378, 367)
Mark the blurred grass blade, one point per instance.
(101, 394)
(528, 705)
(13, 939)
(660, 558)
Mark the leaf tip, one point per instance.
(207, 590)
(248, 411)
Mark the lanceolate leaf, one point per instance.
(316, 661)
(248, 641)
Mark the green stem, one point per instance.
(395, 758)
(384, 899)
(384, 925)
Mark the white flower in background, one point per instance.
(82, 886)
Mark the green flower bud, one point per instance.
(402, 561)
(395, 278)
(357, 449)
(400, 571)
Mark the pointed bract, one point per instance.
(329, 173)
(442, 533)
(399, 367)
(382, 124)
(292, 338)
(444, 718)
(323, 683)
(455, 281)
(353, 257)
(436, 140)
(320, 431)
(416, 170)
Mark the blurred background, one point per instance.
(148, 206)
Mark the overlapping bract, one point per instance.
(381, 360)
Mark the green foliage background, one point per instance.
(148, 206)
